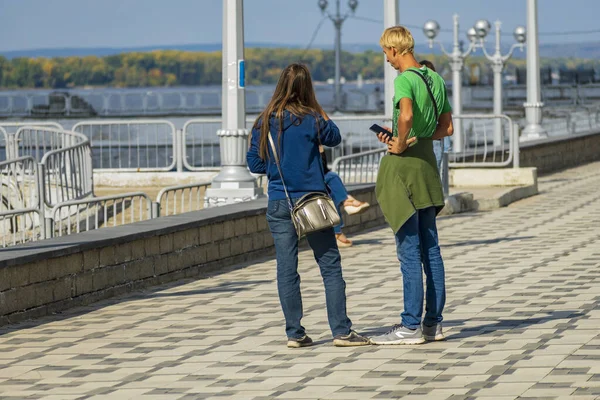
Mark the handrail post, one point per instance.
(41, 204)
(516, 146)
(155, 209)
(179, 149)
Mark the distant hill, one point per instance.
(588, 50)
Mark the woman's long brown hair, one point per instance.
(295, 93)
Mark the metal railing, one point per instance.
(12, 127)
(359, 168)
(479, 150)
(21, 205)
(84, 215)
(487, 141)
(5, 145)
(67, 173)
(201, 145)
(36, 141)
(180, 199)
(16, 227)
(131, 145)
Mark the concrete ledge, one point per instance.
(505, 198)
(458, 203)
(473, 177)
(559, 153)
(44, 277)
(151, 179)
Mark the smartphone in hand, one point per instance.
(380, 129)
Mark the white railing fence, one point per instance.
(84, 215)
(4, 145)
(131, 145)
(20, 201)
(180, 199)
(36, 141)
(67, 174)
(485, 141)
(201, 149)
(359, 168)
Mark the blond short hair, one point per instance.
(399, 38)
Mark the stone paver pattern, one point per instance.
(522, 321)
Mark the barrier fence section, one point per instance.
(84, 215)
(359, 168)
(21, 216)
(487, 141)
(67, 172)
(201, 148)
(4, 145)
(131, 145)
(180, 199)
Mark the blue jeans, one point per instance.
(327, 256)
(416, 245)
(438, 151)
(338, 193)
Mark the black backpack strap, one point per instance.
(437, 115)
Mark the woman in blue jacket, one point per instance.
(297, 124)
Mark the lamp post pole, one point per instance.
(338, 20)
(498, 61)
(457, 57)
(234, 183)
(534, 105)
(390, 18)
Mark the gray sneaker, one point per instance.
(433, 333)
(400, 335)
(304, 341)
(351, 339)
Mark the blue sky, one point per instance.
(32, 24)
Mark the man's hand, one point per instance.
(383, 138)
(394, 145)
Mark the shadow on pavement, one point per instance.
(366, 241)
(485, 329)
(487, 241)
(159, 291)
(228, 287)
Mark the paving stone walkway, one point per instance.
(522, 319)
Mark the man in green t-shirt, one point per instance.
(409, 190)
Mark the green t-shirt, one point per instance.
(409, 84)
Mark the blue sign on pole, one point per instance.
(242, 81)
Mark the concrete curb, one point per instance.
(465, 202)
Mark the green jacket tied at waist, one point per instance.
(409, 182)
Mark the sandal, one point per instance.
(342, 240)
(355, 206)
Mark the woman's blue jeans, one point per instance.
(338, 194)
(328, 258)
(418, 251)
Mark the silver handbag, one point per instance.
(313, 212)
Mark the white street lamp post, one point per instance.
(234, 183)
(457, 57)
(390, 18)
(498, 62)
(534, 105)
(338, 20)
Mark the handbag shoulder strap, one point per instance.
(274, 148)
(437, 115)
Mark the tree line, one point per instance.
(182, 68)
